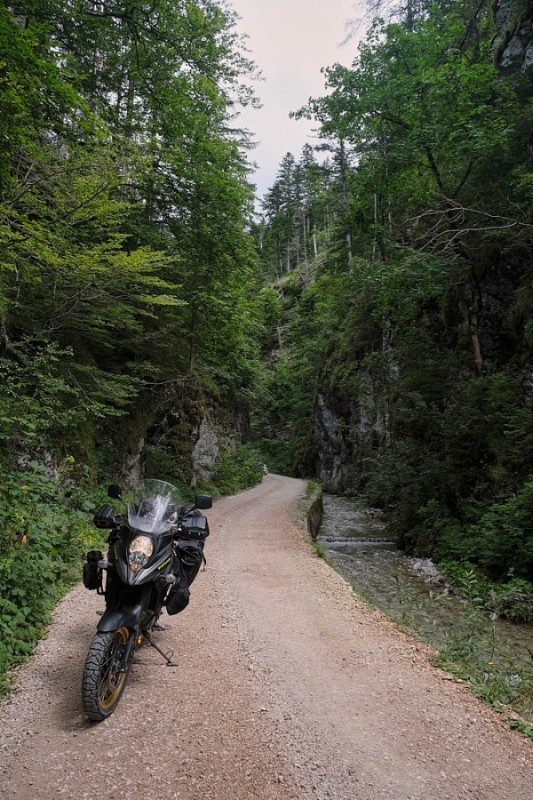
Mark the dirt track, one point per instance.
(287, 686)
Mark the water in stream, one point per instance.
(411, 592)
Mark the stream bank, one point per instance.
(495, 655)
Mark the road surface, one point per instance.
(287, 687)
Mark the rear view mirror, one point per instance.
(203, 501)
(106, 518)
(114, 491)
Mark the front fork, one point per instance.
(132, 616)
(128, 651)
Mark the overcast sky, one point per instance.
(290, 41)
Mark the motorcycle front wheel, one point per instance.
(103, 677)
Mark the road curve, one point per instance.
(287, 686)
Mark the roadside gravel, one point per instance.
(287, 686)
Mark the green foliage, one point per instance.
(471, 654)
(238, 469)
(124, 256)
(295, 209)
(461, 625)
(161, 461)
(130, 290)
(320, 551)
(125, 263)
(474, 650)
(44, 401)
(468, 580)
(411, 328)
(512, 599)
(44, 534)
(502, 537)
(275, 415)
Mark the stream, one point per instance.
(411, 592)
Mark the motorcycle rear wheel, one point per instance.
(103, 681)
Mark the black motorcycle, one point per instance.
(155, 550)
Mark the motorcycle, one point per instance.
(155, 550)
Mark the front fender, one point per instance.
(125, 618)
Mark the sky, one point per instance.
(290, 41)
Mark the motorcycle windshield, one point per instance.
(153, 506)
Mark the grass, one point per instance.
(465, 632)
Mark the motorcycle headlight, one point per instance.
(139, 551)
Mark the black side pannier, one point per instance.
(191, 556)
(92, 574)
(194, 526)
(177, 600)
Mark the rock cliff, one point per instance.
(513, 44)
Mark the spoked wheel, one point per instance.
(103, 681)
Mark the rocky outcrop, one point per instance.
(133, 466)
(334, 468)
(186, 438)
(205, 452)
(346, 430)
(513, 44)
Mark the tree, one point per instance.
(413, 340)
(125, 193)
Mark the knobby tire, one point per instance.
(103, 683)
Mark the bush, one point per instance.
(238, 469)
(44, 534)
(512, 600)
(505, 536)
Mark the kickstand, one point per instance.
(166, 656)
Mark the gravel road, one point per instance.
(287, 686)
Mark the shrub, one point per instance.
(44, 533)
(512, 600)
(505, 536)
(238, 469)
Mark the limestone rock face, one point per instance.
(205, 451)
(346, 430)
(513, 44)
(334, 452)
(133, 471)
